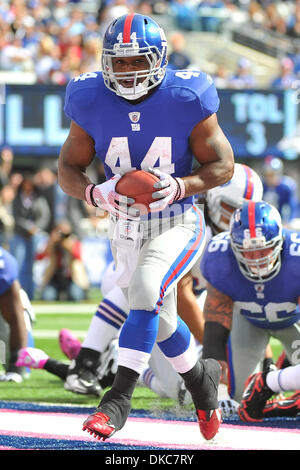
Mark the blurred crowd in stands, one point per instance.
(59, 39)
(38, 221)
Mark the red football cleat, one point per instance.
(99, 425)
(209, 422)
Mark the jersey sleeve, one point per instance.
(9, 271)
(216, 267)
(80, 97)
(209, 98)
(200, 94)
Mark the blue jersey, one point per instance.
(153, 133)
(283, 197)
(8, 270)
(272, 304)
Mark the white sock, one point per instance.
(99, 335)
(284, 379)
(153, 383)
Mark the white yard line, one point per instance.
(41, 309)
(50, 334)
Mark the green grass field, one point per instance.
(43, 387)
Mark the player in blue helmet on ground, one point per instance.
(16, 317)
(253, 295)
(135, 114)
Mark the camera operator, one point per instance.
(65, 276)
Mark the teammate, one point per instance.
(280, 190)
(136, 115)
(253, 294)
(261, 386)
(15, 319)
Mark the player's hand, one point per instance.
(32, 357)
(228, 407)
(169, 190)
(105, 196)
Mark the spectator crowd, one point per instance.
(40, 224)
(56, 40)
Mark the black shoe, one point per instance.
(82, 376)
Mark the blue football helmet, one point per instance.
(129, 36)
(254, 227)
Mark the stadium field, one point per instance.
(40, 414)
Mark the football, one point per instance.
(138, 184)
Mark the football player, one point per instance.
(280, 190)
(253, 294)
(135, 114)
(16, 319)
(99, 348)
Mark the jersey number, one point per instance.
(269, 311)
(118, 156)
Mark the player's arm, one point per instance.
(188, 307)
(75, 156)
(213, 151)
(13, 312)
(218, 319)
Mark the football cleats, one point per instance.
(255, 397)
(129, 36)
(256, 240)
(244, 185)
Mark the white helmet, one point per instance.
(244, 185)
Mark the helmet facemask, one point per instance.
(263, 267)
(143, 80)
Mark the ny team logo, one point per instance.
(134, 118)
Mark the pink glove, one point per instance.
(105, 196)
(32, 357)
(169, 190)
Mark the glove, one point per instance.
(109, 364)
(228, 406)
(169, 190)
(32, 357)
(105, 196)
(11, 377)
